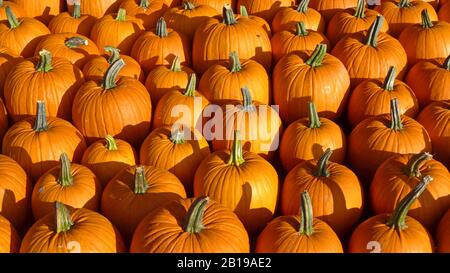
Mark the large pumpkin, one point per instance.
(148, 11)
(287, 18)
(265, 9)
(43, 10)
(329, 8)
(191, 226)
(443, 236)
(96, 8)
(17, 10)
(10, 240)
(7, 61)
(37, 142)
(260, 21)
(72, 22)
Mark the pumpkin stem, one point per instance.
(1, 3)
(322, 170)
(397, 219)
(187, 5)
(243, 11)
(45, 61)
(247, 99)
(316, 58)
(447, 63)
(114, 54)
(140, 181)
(161, 28)
(109, 80)
(63, 219)
(76, 42)
(235, 63)
(301, 29)
(177, 136)
(426, 21)
(228, 15)
(396, 120)
(65, 178)
(374, 30)
(111, 143)
(404, 4)
(303, 6)
(390, 79)
(314, 120)
(361, 9)
(190, 88)
(176, 65)
(194, 218)
(306, 217)
(12, 19)
(412, 168)
(76, 13)
(236, 155)
(121, 15)
(144, 4)
(40, 124)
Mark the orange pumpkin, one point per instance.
(68, 230)
(221, 84)
(301, 77)
(4, 123)
(177, 151)
(17, 10)
(329, 8)
(444, 13)
(7, 61)
(10, 240)
(72, 22)
(37, 142)
(137, 191)
(372, 98)
(298, 234)
(265, 9)
(149, 11)
(288, 17)
(95, 8)
(443, 238)
(107, 157)
(43, 10)
(394, 232)
(216, 4)
(260, 21)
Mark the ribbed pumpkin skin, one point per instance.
(126, 209)
(265, 9)
(7, 60)
(56, 87)
(15, 193)
(93, 232)
(64, 22)
(96, 67)
(161, 232)
(287, 17)
(217, 4)
(444, 13)
(443, 237)
(4, 123)
(43, 10)
(16, 9)
(10, 240)
(148, 15)
(97, 8)
(329, 8)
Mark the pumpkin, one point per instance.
(376, 139)
(181, 107)
(162, 79)
(160, 46)
(394, 232)
(72, 22)
(15, 193)
(288, 41)
(188, 17)
(67, 230)
(442, 3)
(372, 98)
(288, 17)
(241, 181)
(265, 9)
(96, 67)
(221, 84)
(191, 226)
(329, 8)
(7, 61)
(95, 8)
(137, 191)
(107, 157)
(260, 127)
(216, 4)
(17, 10)
(352, 20)
(217, 37)
(307, 138)
(72, 184)
(149, 11)
(21, 37)
(43, 10)
(443, 238)
(37, 142)
(298, 234)
(403, 13)
(125, 103)
(178, 151)
(369, 54)
(260, 21)
(444, 13)
(426, 41)
(76, 48)
(435, 118)
(4, 123)
(301, 77)
(10, 240)
(52, 79)
(119, 30)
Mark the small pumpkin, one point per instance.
(443, 238)
(287, 18)
(148, 11)
(95, 8)
(7, 61)
(329, 8)
(265, 9)
(17, 10)
(73, 22)
(43, 10)
(444, 13)
(10, 240)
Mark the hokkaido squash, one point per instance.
(148, 11)
(287, 18)
(96, 8)
(329, 8)
(10, 240)
(43, 10)
(73, 22)
(443, 238)
(265, 9)
(16, 9)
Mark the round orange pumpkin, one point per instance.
(260, 21)
(329, 8)
(217, 4)
(443, 236)
(287, 18)
(265, 9)
(17, 10)
(148, 11)
(10, 240)
(72, 22)
(43, 10)
(4, 123)
(96, 8)
(7, 61)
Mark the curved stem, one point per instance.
(63, 219)
(144, 4)
(404, 3)
(413, 167)
(235, 63)
(45, 61)
(236, 155)
(396, 120)
(374, 30)
(228, 15)
(193, 220)
(121, 15)
(12, 19)
(360, 9)
(322, 170)
(247, 99)
(65, 178)
(76, 13)
(109, 80)
(190, 88)
(447, 63)
(318, 55)
(76, 42)
(314, 120)
(301, 29)
(40, 125)
(303, 6)
(140, 181)
(306, 215)
(397, 219)
(176, 65)
(161, 28)
(187, 5)
(426, 20)
(243, 11)
(111, 143)
(114, 54)
(177, 136)
(389, 81)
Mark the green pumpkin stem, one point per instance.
(45, 61)
(236, 155)
(360, 9)
(235, 63)
(398, 217)
(177, 137)
(228, 15)
(306, 215)
(161, 28)
(426, 20)
(389, 81)
(396, 119)
(188, 5)
(12, 19)
(140, 181)
(63, 219)
(111, 143)
(322, 164)
(76, 42)
(404, 3)
(110, 78)
(121, 15)
(1, 3)
(114, 54)
(447, 63)
(303, 6)
(144, 4)
(193, 220)
(301, 29)
(176, 65)
(247, 99)
(317, 56)
(41, 125)
(65, 178)
(413, 167)
(243, 11)
(76, 12)
(314, 120)
(374, 31)
(190, 88)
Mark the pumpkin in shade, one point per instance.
(43, 10)
(329, 8)
(7, 61)
(217, 37)
(67, 230)
(21, 37)
(443, 3)
(435, 118)
(289, 41)
(17, 10)
(288, 17)
(4, 123)
(216, 4)
(107, 157)
(429, 40)
(77, 48)
(301, 77)
(192, 225)
(242, 181)
(443, 236)
(299, 234)
(404, 13)
(72, 22)
(221, 84)
(37, 142)
(372, 98)
(180, 151)
(10, 240)
(97, 66)
(181, 107)
(160, 46)
(15, 193)
(444, 13)
(137, 191)
(72, 184)
(54, 80)
(376, 139)
(95, 8)
(148, 11)
(260, 21)
(394, 232)
(265, 9)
